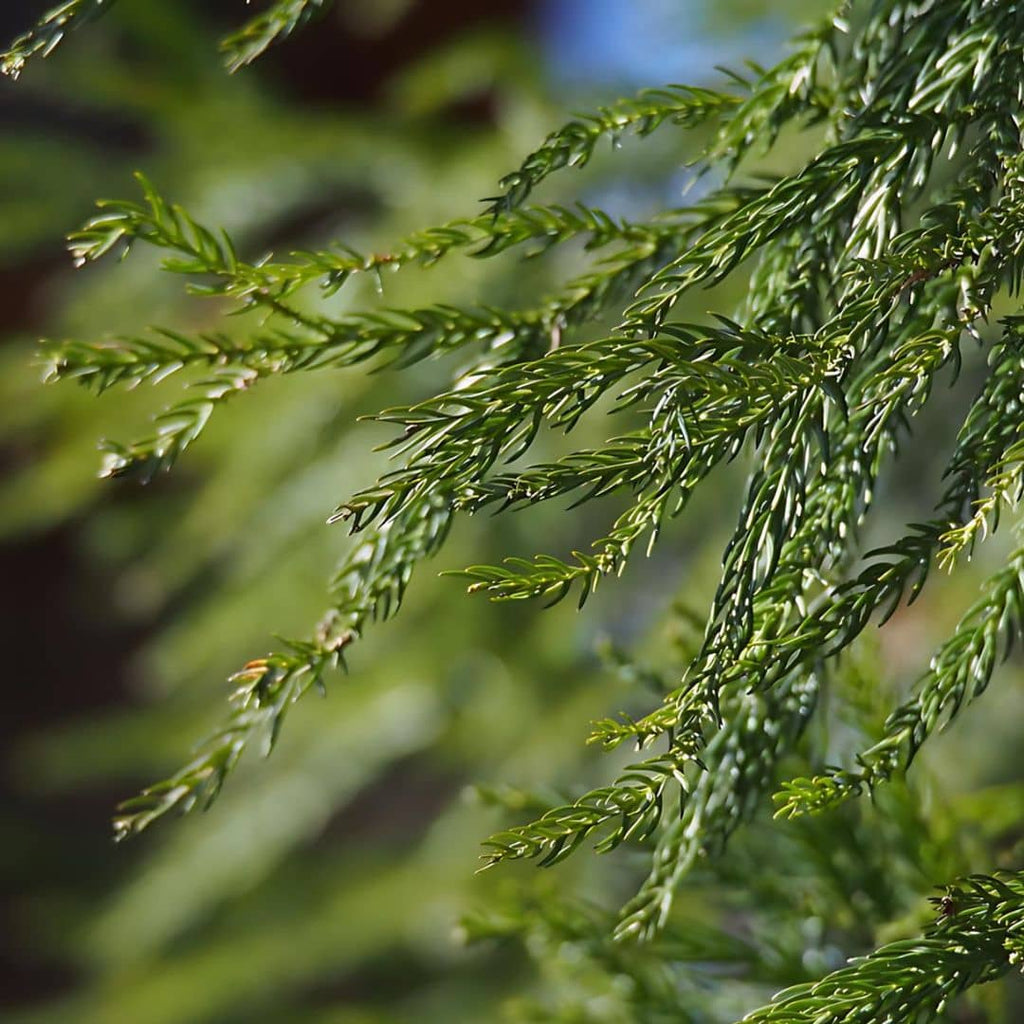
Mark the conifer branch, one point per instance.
(202, 253)
(741, 758)
(990, 454)
(842, 173)
(48, 33)
(774, 655)
(177, 427)
(281, 19)
(276, 23)
(691, 431)
(368, 586)
(906, 380)
(959, 673)
(455, 438)
(777, 650)
(778, 96)
(265, 690)
(573, 144)
(759, 728)
(762, 641)
(962, 669)
(402, 336)
(913, 979)
(798, 85)
(630, 808)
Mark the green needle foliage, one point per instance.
(239, 48)
(875, 272)
(44, 37)
(278, 21)
(976, 939)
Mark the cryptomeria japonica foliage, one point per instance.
(895, 253)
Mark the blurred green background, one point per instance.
(328, 883)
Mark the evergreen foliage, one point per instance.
(877, 272)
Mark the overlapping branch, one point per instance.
(976, 941)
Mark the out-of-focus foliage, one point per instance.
(327, 882)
